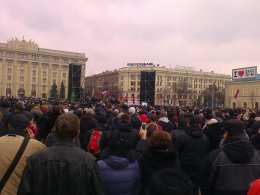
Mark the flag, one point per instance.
(73, 97)
(133, 98)
(120, 98)
(236, 94)
(105, 93)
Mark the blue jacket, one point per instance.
(119, 175)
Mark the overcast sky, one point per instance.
(216, 35)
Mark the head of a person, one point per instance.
(29, 115)
(195, 122)
(153, 117)
(183, 122)
(132, 110)
(162, 114)
(56, 109)
(234, 128)
(160, 140)
(18, 123)
(151, 127)
(125, 118)
(67, 126)
(101, 121)
(170, 182)
(143, 118)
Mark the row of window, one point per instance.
(44, 66)
(37, 57)
(44, 80)
(44, 73)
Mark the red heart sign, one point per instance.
(241, 73)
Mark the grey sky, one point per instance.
(211, 35)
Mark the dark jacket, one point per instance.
(231, 169)
(135, 122)
(87, 122)
(47, 124)
(119, 175)
(192, 146)
(214, 134)
(62, 169)
(166, 126)
(133, 134)
(153, 160)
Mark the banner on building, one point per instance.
(244, 73)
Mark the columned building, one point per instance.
(155, 84)
(27, 70)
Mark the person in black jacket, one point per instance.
(164, 122)
(62, 169)
(159, 155)
(192, 146)
(230, 169)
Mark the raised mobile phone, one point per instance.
(144, 126)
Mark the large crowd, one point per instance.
(97, 148)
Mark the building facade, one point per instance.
(243, 94)
(27, 70)
(162, 83)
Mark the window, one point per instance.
(132, 83)
(133, 76)
(21, 78)
(54, 67)
(256, 105)
(56, 59)
(45, 58)
(44, 80)
(33, 87)
(34, 72)
(22, 56)
(245, 104)
(34, 65)
(75, 61)
(63, 74)
(43, 88)
(9, 77)
(138, 83)
(54, 74)
(54, 81)
(132, 89)
(9, 55)
(44, 73)
(9, 63)
(8, 86)
(33, 79)
(21, 64)
(65, 61)
(44, 66)
(21, 86)
(35, 57)
(9, 70)
(21, 71)
(64, 68)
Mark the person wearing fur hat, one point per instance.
(230, 169)
(159, 155)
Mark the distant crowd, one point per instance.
(59, 147)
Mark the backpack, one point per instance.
(94, 146)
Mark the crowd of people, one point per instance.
(115, 149)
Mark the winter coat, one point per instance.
(87, 122)
(153, 160)
(166, 124)
(214, 134)
(135, 122)
(119, 175)
(192, 146)
(133, 134)
(231, 169)
(62, 169)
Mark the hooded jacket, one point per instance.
(231, 169)
(192, 146)
(119, 175)
(166, 124)
(153, 160)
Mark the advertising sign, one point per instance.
(244, 73)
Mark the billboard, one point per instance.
(244, 73)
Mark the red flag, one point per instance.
(100, 93)
(133, 98)
(236, 94)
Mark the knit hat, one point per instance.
(19, 121)
(143, 118)
(234, 126)
(255, 188)
(28, 115)
(170, 181)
